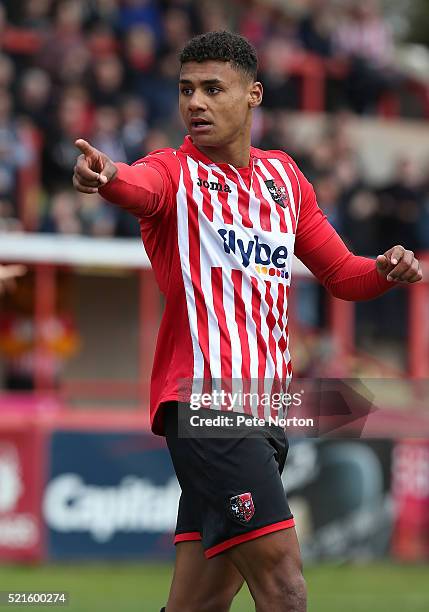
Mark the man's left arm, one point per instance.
(350, 277)
(345, 275)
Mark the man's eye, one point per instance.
(213, 90)
(186, 91)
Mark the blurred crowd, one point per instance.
(106, 70)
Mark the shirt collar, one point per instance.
(189, 148)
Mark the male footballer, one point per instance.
(220, 221)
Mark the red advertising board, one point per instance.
(411, 498)
(20, 493)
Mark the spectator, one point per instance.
(13, 154)
(62, 215)
(34, 98)
(212, 16)
(9, 221)
(176, 27)
(7, 72)
(155, 139)
(254, 23)
(73, 118)
(401, 204)
(316, 28)
(363, 34)
(359, 214)
(107, 81)
(36, 14)
(102, 40)
(98, 217)
(140, 51)
(134, 127)
(107, 135)
(281, 91)
(327, 189)
(145, 12)
(64, 46)
(366, 40)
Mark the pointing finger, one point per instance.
(85, 147)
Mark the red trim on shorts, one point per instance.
(246, 537)
(191, 536)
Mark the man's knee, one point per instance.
(282, 589)
(294, 592)
(278, 583)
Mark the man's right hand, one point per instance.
(93, 168)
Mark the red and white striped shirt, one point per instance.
(221, 241)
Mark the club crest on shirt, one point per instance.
(278, 194)
(242, 507)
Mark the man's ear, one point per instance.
(255, 94)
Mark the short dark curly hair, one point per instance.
(224, 47)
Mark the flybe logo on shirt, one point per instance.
(268, 261)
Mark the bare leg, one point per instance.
(271, 566)
(200, 584)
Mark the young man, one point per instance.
(220, 221)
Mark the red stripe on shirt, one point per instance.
(195, 268)
(243, 197)
(262, 345)
(264, 208)
(223, 198)
(281, 326)
(207, 202)
(271, 321)
(225, 338)
(240, 318)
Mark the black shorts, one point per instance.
(232, 490)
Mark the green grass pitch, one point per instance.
(144, 587)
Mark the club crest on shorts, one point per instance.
(241, 507)
(278, 194)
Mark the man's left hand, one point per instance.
(399, 265)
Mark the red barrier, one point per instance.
(418, 325)
(410, 471)
(21, 473)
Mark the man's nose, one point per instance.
(197, 102)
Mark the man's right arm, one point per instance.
(138, 189)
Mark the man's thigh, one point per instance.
(200, 584)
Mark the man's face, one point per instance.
(215, 102)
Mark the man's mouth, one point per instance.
(198, 122)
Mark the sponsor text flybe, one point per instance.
(261, 252)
